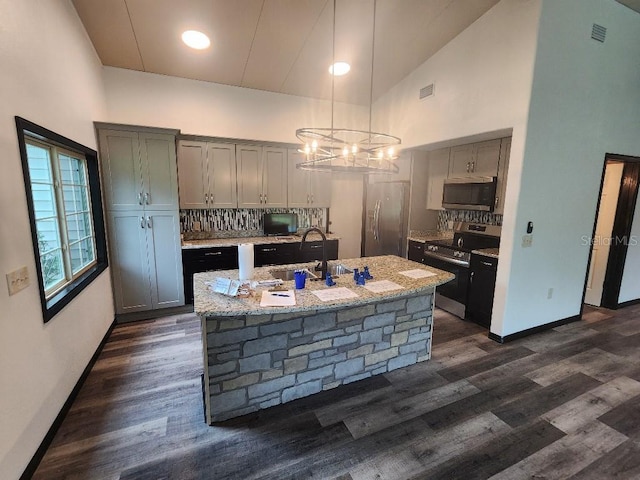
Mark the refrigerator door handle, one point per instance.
(376, 221)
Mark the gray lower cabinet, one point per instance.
(146, 259)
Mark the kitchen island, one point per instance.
(256, 357)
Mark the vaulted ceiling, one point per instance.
(282, 46)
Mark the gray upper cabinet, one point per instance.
(262, 176)
(475, 159)
(307, 189)
(438, 168)
(138, 170)
(501, 187)
(207, 175)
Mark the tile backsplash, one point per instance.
(471, 216)
(243, 221)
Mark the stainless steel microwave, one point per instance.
(469, 193)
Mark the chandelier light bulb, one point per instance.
(345, 151)
(307, 148)
(391, 151)
(314, 146)
(354, 149)
(380, 154)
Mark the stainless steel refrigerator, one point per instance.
(386, 219)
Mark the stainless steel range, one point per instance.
(454, 255)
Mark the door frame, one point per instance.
(622, 224)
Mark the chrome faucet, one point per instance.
(324, 248)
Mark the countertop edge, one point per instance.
(235, 241)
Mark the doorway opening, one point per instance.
(612, 278)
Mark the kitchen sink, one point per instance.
(288, 273)
(338, 269)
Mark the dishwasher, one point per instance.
(480, 292)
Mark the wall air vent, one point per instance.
(426, 91)
(598, 32)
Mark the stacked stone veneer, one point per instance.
(257, 361)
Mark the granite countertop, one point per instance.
(487, 252)
(234, 241)
(426, 236)
(382, 268)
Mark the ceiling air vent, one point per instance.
(598, 32)
(426, 91)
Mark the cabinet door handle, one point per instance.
(206, 198)
(308, 201)
(260, 198)
(265, 198)
(473, 166)
(268, 249)
(315, 246)
(312, 198)
(139, 198)
(496, 202)
(148, 222)
(141, 222)
(213, 199)
(471, 277)
(210, 254)
(468, 164)
(147, 198)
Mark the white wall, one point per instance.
(483, 80)
(630, 288)
(585, 102)
(51, 76)
(208, 109)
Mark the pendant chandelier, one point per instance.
(348, 150)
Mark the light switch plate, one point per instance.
(18, 280)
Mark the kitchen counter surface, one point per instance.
(381, 268)
(487, 252)
(234, 241)
(426, 236)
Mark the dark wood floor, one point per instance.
(560, 404)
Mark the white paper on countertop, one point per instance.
(334, 294)
(382, 286)
(225, 286)
(417, 273)
(281, 298)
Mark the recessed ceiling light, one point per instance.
(195, 39)
(339, 68)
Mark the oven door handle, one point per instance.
(462, 263)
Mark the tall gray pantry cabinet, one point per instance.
(139, 174)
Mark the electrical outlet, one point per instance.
(18, 280)
(527, 241)
(550, 293)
